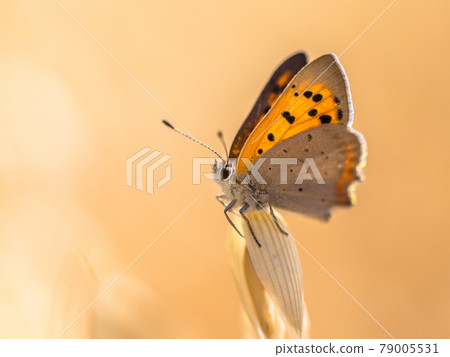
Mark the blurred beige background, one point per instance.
(70, 117)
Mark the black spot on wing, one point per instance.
(317, 97)
(312, 112)
(290, 118)
(325, 119)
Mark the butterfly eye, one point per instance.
(226, 172)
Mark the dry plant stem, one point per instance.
(260, 314)
(277, 266)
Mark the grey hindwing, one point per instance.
(338, 153)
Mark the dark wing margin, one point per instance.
(274, 87)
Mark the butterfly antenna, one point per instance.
(192, 138)
(220, 135)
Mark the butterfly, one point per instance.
(302, 117)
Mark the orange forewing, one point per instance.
(271, 92)
(293, 113)
(317, 95)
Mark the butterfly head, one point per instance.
(224, 171)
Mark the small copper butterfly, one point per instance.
(303, 116)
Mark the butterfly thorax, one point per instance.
(233, 189)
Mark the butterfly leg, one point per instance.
(227, 208)
(219, 198)
(272, 213)
(241, 211)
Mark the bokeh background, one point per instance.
(70, 117)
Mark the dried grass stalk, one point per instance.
(269, 278)
(260, 314)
